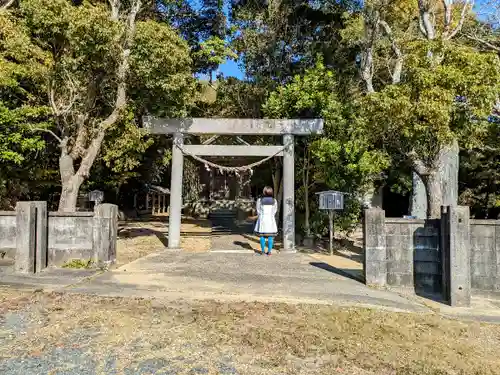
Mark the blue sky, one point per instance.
(231, 69)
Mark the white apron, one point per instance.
(266, 222)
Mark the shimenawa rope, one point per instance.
(235, 170)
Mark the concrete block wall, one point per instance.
(485, 256)
(430, 256)
(35, 238)
(413, 254)
(402, 252)
(8, 233)
(70, 236)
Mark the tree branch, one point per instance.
(81, 136)
(58, 112)
(398, 66)
(115, 9)
(417, 163)
(463, 14)
(52, 100)
(447, 15)
(426, 25)
(371, 30)
(123, 68)
(7, 5)
(50, 132)
(485, 42)
(121, 94)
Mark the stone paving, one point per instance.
(294, 278)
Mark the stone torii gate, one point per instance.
(234, 127)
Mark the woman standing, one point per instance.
(266, 226)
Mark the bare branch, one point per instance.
(447, 4)
(463, 15)
(115, 9)
(484, 42)
(59, 140)
(121, 94)
(398, 66)
(371, 31)
(123, 68)
(52, 100)
(421, 26)
(426, 24)
(7, 5)
(56, 110)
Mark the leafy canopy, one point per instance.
(446, 93)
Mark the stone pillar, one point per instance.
(105, 233)
(375, 250)
(455, 252)
(174, 220)
(288, 194)
(25, 237)
(41, 249)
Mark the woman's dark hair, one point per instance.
(268, 191)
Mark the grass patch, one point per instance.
(79, 264)
(266, 338)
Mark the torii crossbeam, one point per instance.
(224, 126)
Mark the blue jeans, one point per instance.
(270, 242)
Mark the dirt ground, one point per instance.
(137, 239)
(73, 334)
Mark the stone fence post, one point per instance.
(31, 237)
(456, 255)
(375, 254)
(25, 237)
(105, 233)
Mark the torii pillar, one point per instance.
(288, 194)
(174, 218)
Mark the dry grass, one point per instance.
(196, 235)
(137, 239)
(262, 338)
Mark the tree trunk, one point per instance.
(278, 185)
(70, 180)
(434, 193)
(447, 166)
(307, 225)
(69, 194)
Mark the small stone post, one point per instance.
(375, 250)
(25, 237)
(455, 250)
(105, 233)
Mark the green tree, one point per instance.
(23, 68)
(438, 88)
(341, 158)
(102, 58)
(436, 104)
(277, 40)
